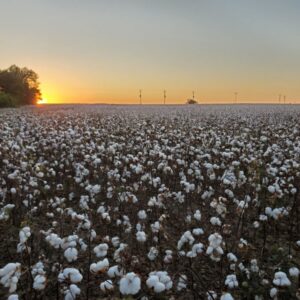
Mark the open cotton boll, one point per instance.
(106, 286)
(142, 215)
(159, 281)
(54, 240)
(13, 297)
(273, 293)
(294, 272)
(281, 279)
(197, 215)
(39, 282)
(231, 281)
(10, 275)
(115, 271)
(70, 274)
(212, 295)
(71, 254)
(130, 284)
(100, 266)
(182, 283)
(101, 250)
(154, 283)
(141, 236)
(226, 296)
(214, 249)
(72, 292)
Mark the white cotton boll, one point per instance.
(168, 257)
(142, 215)
(24, 234)
(106, 286)
(271, 189)
(71, 254)
(153, 253)
(197, 215)
(280, 279)
(298, 243)
(13, 297)
(71, 274)
(212, 295)
(10, 275)
(159, 281)
(130, 284)
(231, 257)
(182, 283)
(198, 231)
(101, 250)
(231, 281)
(294, 272)
(100, 266)
(115, 271)
(214, 250)
(39, 282)
(54, 240)
(196, 249)
(215, 221)
(115, 241)
(72, 292)
(226, 296)
(273, 292)
(141, 236)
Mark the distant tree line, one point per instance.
(18, 86)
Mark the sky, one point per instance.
(106, 51)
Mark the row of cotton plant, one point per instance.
(144, 202)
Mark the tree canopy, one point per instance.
(18, 86)
(191, 101)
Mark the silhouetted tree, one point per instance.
(21, 84)
(191, 101)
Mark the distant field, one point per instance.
(150, 202)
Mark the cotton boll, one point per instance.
(294, 272)
(141, 236)
(226, 296)
(106, 286)
(182, 283)
(100, 266)
(115, 271)
(71, 274)
(212, 295)
(101, 250)
(273, 292)
(13, 297)
(10, 275)
(71, 254)
(153, 253)
(214, 249)
(142, 215)
(197, 215)
(159, 281)
(280, 279)
(231, 281)
(39, 282)
(130, 284)
(72, 292)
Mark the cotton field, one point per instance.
(150, 202)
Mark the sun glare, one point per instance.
(42, 101)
